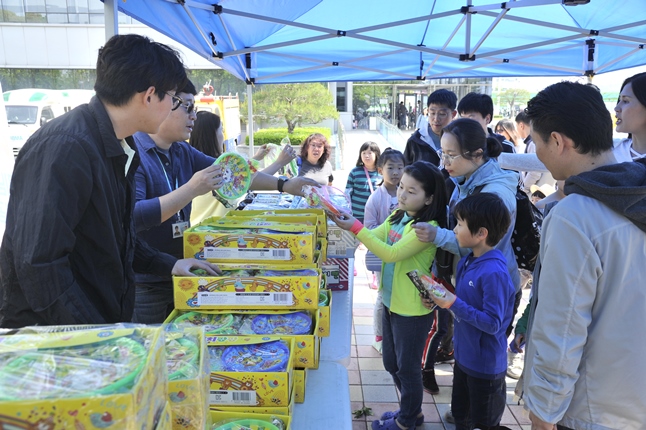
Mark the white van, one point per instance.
(28, 109)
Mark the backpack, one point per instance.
(526, 237)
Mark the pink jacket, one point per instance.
(377, 208)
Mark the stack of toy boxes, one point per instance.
(341, 247)
(259, 245)
(88, 378)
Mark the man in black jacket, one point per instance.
(70, 245)
(425, 142)
(479, 107)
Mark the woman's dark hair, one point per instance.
(371, 146)
(204, 136)
(484, 210)
(510, 127)
(390, 155)
(638, 82)
(313, 138)
(433, 184)
(471, 138)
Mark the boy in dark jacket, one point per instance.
(483, 310)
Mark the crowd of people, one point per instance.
(100, 198)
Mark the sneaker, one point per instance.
(429, 382)
(515, 362)
(393, 415)
(389, 424)
(444, 357)
(377, 344)
(448, 417)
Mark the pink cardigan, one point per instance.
(377, 208)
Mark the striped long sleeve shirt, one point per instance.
(358, 190)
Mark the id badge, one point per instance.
(178, 229)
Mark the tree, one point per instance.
(296, 104)
(513, 96)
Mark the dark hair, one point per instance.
(433, 184)
(371, 146)
(638, 82)
(326, 147)
(443, 97)
(471, 137)
(204, 136)
(475, 102)
(575, 110)
(522, 117)
(189, 88)
(129, 64)
(484, 210)
(389, 155)
(510, 127)
(539, 194)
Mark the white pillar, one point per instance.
(250, 119)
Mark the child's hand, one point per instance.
(345, 221)
(446, 301)
(428, 303)
(517, 344)
(425, 232)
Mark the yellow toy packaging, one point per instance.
(325, 307)
(249, 371)
(269, 409)
(300, 378)
(239, 420)
(239, 240)
(249, 287)
(95, 378)
(281, 214)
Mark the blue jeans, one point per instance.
(153, 304)
(403, 344)
(475, 402)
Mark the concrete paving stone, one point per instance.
(356, 393)
(367, 351)
(362, 312)
(359, 425)
(370, 364)
(354, 364)
(354, 377)
(376, 377)
(443, 369)
(428, 398)
(446, 380)
(508, 418)
(379, 408)
(364, 339)
(521, 415)
(444, 396)
(379, 393)
(355, 406)
(430, 413)
(441, 410)
(353, 351)
(363, 329)
(431, 426)
(363, 320)
(353, 340)
(362, 305)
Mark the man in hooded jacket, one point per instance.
(584, 349)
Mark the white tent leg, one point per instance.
(111, 11)
(250, 121)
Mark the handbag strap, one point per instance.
(368, 178)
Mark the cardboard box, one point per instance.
(258, 292)
(251, 388)
(340, 243)
(165, 420)
(307, 346)
(239, 240)
(188, 383)
(300, 379)
(131, 407)
(337, 273)
(324, 315)
(222, 417)
(280, 214)
(269, 409)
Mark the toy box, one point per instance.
(92, 378)
(337, 273)
(340, 243)
(325, 307)
(188, 377)
(239, 240)
(300, 378)
(226, 420)
(269, 380)
(261, 288)
(269, 409)
(241, 323)
(281, 214)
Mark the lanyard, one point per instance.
(180, 216)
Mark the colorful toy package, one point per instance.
(240, 240)
(282, 214)
(94, 378)
(245, 421)
(302, 326)
(250, 371)
(249, 287)
(188, 377)
(330, 199)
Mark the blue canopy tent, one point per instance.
(281, 41)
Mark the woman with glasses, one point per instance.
(313, 162)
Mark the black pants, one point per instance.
(475, 402)
(517, 299)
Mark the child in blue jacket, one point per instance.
(483, 306)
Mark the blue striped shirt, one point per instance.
(358, 190)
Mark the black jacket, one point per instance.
(417, 149)
(70, 244)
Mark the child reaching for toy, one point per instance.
(422, 198)
(483, 310)
(363, 179)
(379, 206)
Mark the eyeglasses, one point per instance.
(441, 114)
(189, 107)
(448, 159)
(177, 101)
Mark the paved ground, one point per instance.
(370, 385)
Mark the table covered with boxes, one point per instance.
(263, 345)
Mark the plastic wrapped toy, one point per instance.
(237, 174)
(330, 199)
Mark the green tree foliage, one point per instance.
(512, 97)
(296, 104)
(223, 82)
(365, 96)
(54, 79)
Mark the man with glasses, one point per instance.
(70, 247)
(425, 142)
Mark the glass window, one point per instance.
(13, 11)
(95, 6)
(340, 99)
(35, 6)
(124, 19)
(21, 114)
(35, 17)
(57, 18)
(77, 6)
(79, 18)
(59, 6)
(96, 18)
